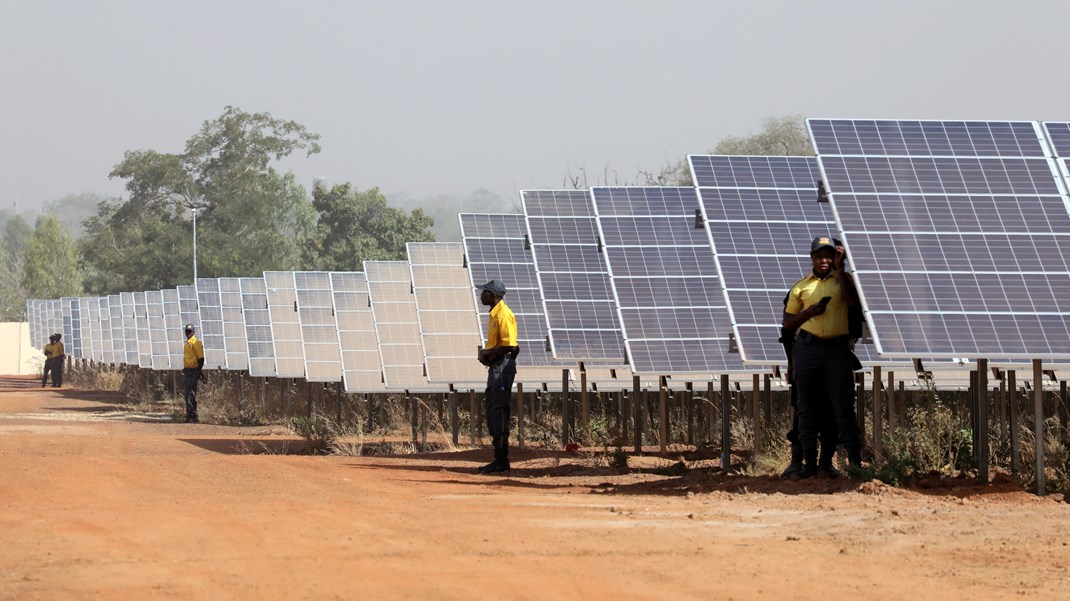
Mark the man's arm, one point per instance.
(844, 279)
(490, 355)
(794, 322)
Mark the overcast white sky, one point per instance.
(444, 98)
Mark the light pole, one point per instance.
(194, 245)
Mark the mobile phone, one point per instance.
(824, 302)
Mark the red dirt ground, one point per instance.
(100, 502)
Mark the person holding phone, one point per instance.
(822, 361)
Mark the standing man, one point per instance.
(49, 350)
(822, 360)
(500, 356)
(58, 357)
(192, 363)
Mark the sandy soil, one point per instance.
(98, 502)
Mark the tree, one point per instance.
(51, 267)
(251, 218)
(779, 136)
(16, 236)
(357, 226)
(73, 209)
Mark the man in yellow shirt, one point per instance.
(192, 364)
(499, 355)
(49, 350)
(59, 356)
(822, 360)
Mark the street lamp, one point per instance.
(196, 209)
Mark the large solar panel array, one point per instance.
(397, 325)
(174, 335)
(158, 333)
(762, 213)
(257, 319)
(495, 248)
(211, 315)
(118, 328)
(285, 324)
(958, 233)
(362, 367)
(141, 318)
(230, 306)
(579, 306)
(446, 312)
(319, 332)
(129, 322)
(665, 281)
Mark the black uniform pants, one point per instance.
(822, 369)
(57, 371)
(48, 371)
(496, 401)
(189, 390)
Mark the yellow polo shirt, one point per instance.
(57, 350)
(502, 329)
(50, 350)
(193, 351)
(809, 291)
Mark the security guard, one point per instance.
(59, 356)
(500, 356)
(192, 364)
(822, 360)
(49, 350)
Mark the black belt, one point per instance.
(813, 339)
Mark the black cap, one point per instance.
(495, 287)
(189, 327)
(822, 242)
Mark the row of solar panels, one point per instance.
(956, 232)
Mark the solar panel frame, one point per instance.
(71, 329)
(319, 331)
(257, 319)
(992, 174)
(118, 329)
(397, 325)
(174, 336)
(235, 348)
(211, 335)
(144, 343)
(99, 321)
(130, 355)
(655, 341)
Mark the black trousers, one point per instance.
(496, 401)
(57, 371)
(189, 390)
(826, 408)
(48, 371)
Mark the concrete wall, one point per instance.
(17, 357)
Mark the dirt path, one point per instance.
(100, 503)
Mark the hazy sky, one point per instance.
(444, 98)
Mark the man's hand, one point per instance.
(483, 357)
(200, 375)
(839, 260)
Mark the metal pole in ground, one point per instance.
(981, 435)
(710, 412)
(878, 428)
(637, 414)
(585, 404)
(455, 418)
(1038, 423)
(756, 411)
(564, 408)
(663, 414)
(726, 430)
(473, 422)
(520, 415)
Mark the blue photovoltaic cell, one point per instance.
(257, 319)
(1059, 135)
(734, 171)
(960, 251)
(362, 368)
(397, 326)
(285, 324)
(211, 317)
(664, 334)
(118, 329)
(319, 330)
(566, 251)
(172, 317)
(492, 242)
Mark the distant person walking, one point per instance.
(59, 356)
(500, 356)
(49, 350)
(192, 364)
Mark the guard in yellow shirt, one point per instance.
(500, 356)
(49, 350)
(192, 364)
(59, 356)
(821, 356)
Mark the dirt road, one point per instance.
(97, 502)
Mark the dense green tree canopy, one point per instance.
(51, 266)
(357, 226)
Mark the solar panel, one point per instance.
(257, 327)
(922, 213)
(71, 332)
(319, 333)
(174, 336)
(118, 329)
(495, 249)
(129, 321)
(144, 343)
(211, 315)
(362, 367)
(235, 349)
(285, 324)
(665, 281)
(188, 309)
(97, 323)
(159, 353)
(446, 311)
(581, 312)
(397, 326)
(85, 326)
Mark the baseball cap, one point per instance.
(822, 242)
(189, 327)
(495, 287)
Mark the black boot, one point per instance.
(810, 464)
(824, 463)
(854, 457)
(500, 463)
(796, 464)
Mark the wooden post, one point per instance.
(1038, 421)
(710, 412)
(585, 406)
(455, 418)
(520, 415)
(663, 414)
(891, 401)
(1012, 402)
(564, 408)
(878, 428)
(637, 416)
(902, 404)
(981, 435)
(860, 407)
(726, 431)
(475, 425)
